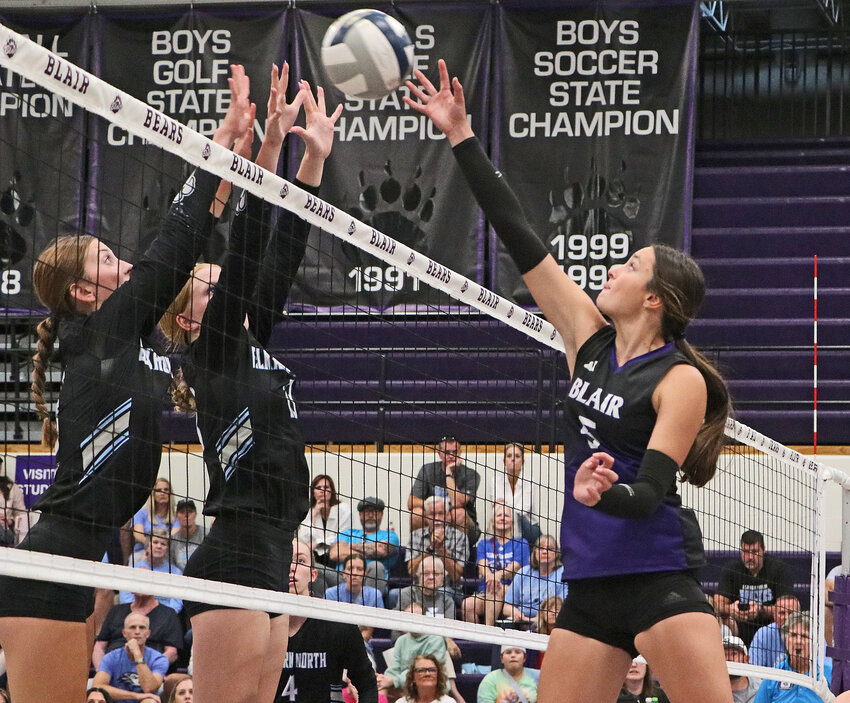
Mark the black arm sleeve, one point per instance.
(641, 499)
(278, 270)
(359, 667)
(135, 307)
(225, 314)
(500, 205)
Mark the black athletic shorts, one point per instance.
(241, 551)
(615, 609)
(30, 598)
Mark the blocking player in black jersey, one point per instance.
(643, 405)
(253, 448)
(102, 310)
(320, 650)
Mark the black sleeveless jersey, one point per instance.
(609, 409)
(315, 658)
(115, 385)
(247, 418)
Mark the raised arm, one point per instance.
(289, 242)
(564, 304)
(159, 274)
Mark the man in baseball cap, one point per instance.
(743, 688)
(379, 547)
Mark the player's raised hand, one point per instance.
(238, 116)
(318, 134)
(281, 115)
(445, 107)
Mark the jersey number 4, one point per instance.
(290, 691)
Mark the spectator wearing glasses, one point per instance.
(379, 547)
(750, 585)
(451, 478)
(328, 517)
(426, 681)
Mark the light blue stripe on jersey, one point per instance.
(108, 436)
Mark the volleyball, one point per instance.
(367, 54)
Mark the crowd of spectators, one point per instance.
(448, 568)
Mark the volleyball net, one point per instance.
(381, 395)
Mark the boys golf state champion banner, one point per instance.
(586, 107)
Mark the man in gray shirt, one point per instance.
(438, 539)
(186, 538)
(450, 478)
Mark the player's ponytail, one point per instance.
(59, 265)
(44, 350)
(679, 283)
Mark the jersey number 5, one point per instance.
(588, 426)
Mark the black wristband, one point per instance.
(500, 205)
(656, 475)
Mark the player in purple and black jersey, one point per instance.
(643, 406)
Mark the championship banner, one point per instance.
(179, 64)
(392, 169)
(595, 129)
(41, 157)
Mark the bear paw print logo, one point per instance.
(15, 217)
(591, 206)
(398, 207)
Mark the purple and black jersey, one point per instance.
(609, 409)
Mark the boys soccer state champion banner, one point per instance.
(594, 129)
(590, 118)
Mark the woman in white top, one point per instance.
(516, 491)
(320, 529)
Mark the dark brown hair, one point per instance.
(680, 285)
(334, 498)
(57, 268)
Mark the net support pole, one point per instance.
(840, 649)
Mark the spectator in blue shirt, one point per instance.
(379, 547)
(796, 632)
(353, 590)
(767, 647)
(135, 669)
(499, 556)
(536, 582)
(156, 559)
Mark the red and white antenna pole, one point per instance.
(815, 365)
